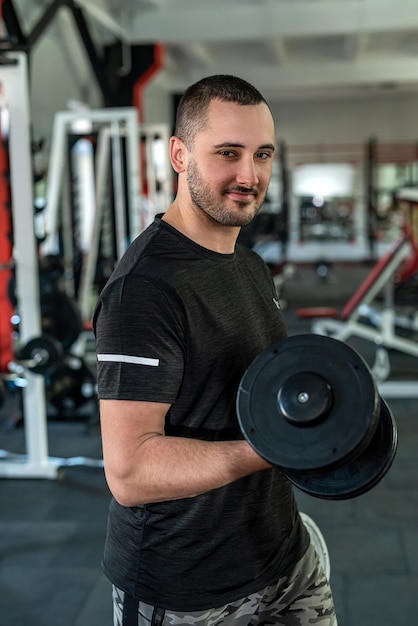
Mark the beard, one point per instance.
(207, 202)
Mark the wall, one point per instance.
(388, 117)
(157, 103)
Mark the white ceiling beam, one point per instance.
(190, 20)
(308, 75)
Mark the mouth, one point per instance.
(241, 194)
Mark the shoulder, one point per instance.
(245, 254)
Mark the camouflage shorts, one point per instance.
(302, 598)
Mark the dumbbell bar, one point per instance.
(309, 405)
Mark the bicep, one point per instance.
(125, 426)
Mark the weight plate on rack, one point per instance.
(41, 355)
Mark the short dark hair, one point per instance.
(192, 111)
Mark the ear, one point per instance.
(178, 154)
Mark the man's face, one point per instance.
(230, 162)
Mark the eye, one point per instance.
(263, 155)
(227, 153)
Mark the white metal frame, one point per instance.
(112, 125)
(64, 121)
(90, 260)
(157, 200)
(36, 463)
(15, 96)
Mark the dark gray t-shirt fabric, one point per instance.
(180, 324)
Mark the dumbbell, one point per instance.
(310, 405)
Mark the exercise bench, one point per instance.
(383, 332)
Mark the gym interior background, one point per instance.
(87, 103)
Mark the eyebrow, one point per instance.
(230, 144)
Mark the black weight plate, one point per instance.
(361, 474)
(60, 317)
(44, 353)
(71, 386)
(344, 431)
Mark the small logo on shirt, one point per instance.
(277, 303)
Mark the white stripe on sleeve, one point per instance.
(125, 358)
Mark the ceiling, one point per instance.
(290, 49)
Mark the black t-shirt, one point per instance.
(179, 323)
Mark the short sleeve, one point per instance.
(140, 341)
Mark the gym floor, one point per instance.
(52, 531)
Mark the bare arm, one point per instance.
(143, 465)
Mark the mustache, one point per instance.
(240, 189)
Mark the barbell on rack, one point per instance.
(309, 405)
(41, 355)
(70, 382)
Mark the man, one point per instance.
(201, 529)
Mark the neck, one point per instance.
(195, 225)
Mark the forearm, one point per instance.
(167, 468)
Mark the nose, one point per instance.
(247, 172)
